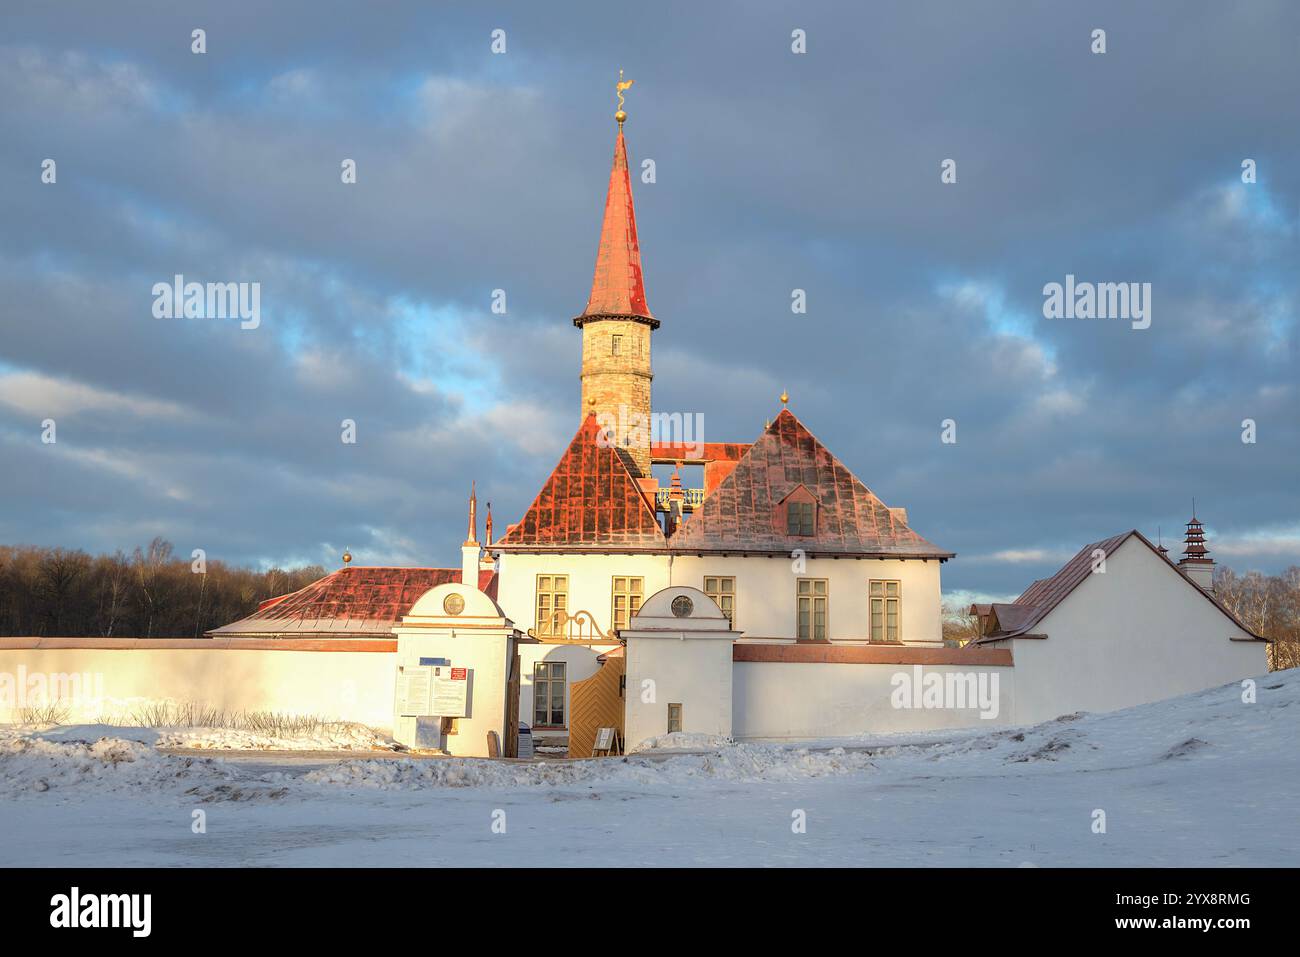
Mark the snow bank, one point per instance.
(685, 741)
(732, 763)
(342, 736)
(32, 764)
(1203, 727)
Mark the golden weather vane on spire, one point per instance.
(622, 85)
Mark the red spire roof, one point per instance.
(617, 289)
(590, 499)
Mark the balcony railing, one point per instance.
(692, 498)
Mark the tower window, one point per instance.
(616, 345)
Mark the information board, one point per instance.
(414, 691)
(451, 694)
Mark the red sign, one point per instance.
(459, 674)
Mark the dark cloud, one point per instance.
(774, 172)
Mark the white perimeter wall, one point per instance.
(335, 685)
(829, 700)
(1135, 634)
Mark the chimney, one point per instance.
(1196, 562)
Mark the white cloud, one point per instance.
(46, 396)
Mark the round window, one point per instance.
(683, 606)
(453, 604)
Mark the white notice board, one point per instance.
(450, 695)
(414, 687)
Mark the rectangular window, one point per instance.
(723, 591)
(674, 718)
(548, 694)
(627, 594)
(813, 598)
(616, 345)
(552, 598)
(885, 600)
(799, 518)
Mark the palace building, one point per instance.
(792, 594)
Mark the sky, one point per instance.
(773, 171)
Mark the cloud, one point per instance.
(42, 396)
(479, 172)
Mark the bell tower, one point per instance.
(617, 323)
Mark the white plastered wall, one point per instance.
(765, 587)
(335, 685)
(824, 700)
(1136, 633)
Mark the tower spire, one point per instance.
(617, 287)
(616, 323)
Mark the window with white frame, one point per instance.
(625, 599)
(552, 598)
(548, 694)
(813, 597)
(722, 589)
(886, 599)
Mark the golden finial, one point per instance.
(347, 556)
(622, 85)
(785, 398)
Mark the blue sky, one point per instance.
(774, 171)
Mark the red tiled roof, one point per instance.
(617, 287)
(1038, 600)
(590, 499)
(355, 600)
(739, 514)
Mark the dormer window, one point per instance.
(799, 518)
(796, 514)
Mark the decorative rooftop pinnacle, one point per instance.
(472, 537)
(620, 87)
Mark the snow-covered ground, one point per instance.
(1201, 780)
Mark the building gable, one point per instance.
(741, 514)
